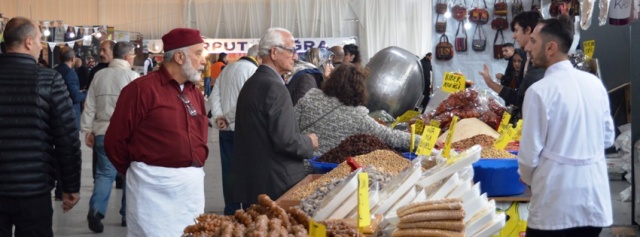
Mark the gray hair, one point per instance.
(17, 30)
(271, 38)
(168, 56)
(253, 51)
(66, 54)
(122, 49)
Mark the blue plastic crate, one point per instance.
(502, 179)
(409, 155)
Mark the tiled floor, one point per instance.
(74, 222)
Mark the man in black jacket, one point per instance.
(37, 133)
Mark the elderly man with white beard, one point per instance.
(157, 138)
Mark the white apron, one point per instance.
(162, 201)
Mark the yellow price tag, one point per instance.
(428, 140)
(505, 137)
(504, 122)
(453, 83)
(589, 47)
(364, 215)
(434, 123)
(518, 131)
(413, 137)
(419, 126)
(316, 229)
(446, 153)
(405, 117)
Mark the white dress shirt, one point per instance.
(227, 88)
(567, 126)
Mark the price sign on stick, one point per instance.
(428, 140)
(316, 229)
(364, 215)
(505, 137)
(453, 83)
(405, 117)
(413, 137)
(518, 131)
(434, 123)
(589, 47)
(419, 126)
(504, 122)
(446, 153)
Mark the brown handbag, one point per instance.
(461, 41)
(444, 49)
(478, 15)
(535, 6)
(460, 11)
(441, 26)
(516, 7)
(441, 6)
(556, 8)
(479, 44)
(497, 48)
(500, 8)
(500, 23)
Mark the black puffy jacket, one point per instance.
(37, 129)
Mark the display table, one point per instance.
(524, 197)
(285, 201)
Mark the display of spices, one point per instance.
(352, 146)
(482, 140)
(513, 146)
(310, 204)
(467, 104)
(385, 161)
(492, 152)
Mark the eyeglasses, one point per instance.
(192, 111)
(291, 50)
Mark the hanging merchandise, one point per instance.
(444, 49)
(500, 8)
(500, 23)
(516, 7)
(604, 10)
(479, 15)
(556, 8)
(587, 9)
(535, 5)
(620, 12)
(574, 8)
(441, 6)
(460, 11)
(441, 26)
(479, 44)
(461, 42)
(497, 48)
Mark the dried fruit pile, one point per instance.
(354, 145)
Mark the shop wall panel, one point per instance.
(152, 18)
(71, 12)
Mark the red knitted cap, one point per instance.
(181, 37)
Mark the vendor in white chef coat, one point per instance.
(566, 129)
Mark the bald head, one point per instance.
(338, 53)
(21, 35)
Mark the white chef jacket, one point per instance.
(231, 80)
(567, 125)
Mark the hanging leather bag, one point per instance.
(497, 47)
(479, 44)
(441, 6)
(460, 11)
(461, 41)
(441, 26)
(535, 5)
(500, 23)
(500, 8)
(556, 8)
(575, 8)
(444, 49)
(516, 7)
(479, 15)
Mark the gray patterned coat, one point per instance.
(341, 123)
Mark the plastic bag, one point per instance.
(604, 11)
(468, 104)
(382, 117)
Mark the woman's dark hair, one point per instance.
(347, 83)
(353, 50)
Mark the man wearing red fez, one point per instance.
(268, 148)
(157, 139)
